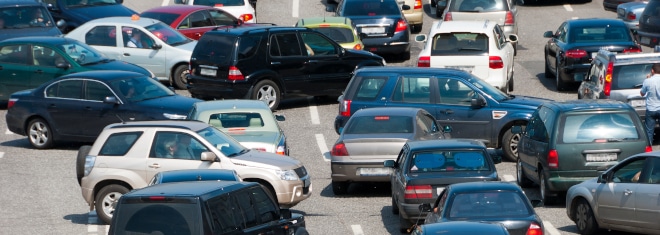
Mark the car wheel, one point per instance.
(404, 224)
(267, 91)
(80, 161)
(515, 49)
(395, 208)
(301, 231)
(434, 3)
(561, 85)
(522, 180)
(584, 218)
(39, 134)
(106, 201)
(339, 188)
(548, 72)
(180, 76)
(510, 144)
(510, 84)
(546, 197)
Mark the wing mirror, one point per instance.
(156, 46)
(548, 34)
(63, 65)
(425, 207)
(209, 157)
(478, 102)
(61, 24)
(603, 178)
(405, 7)
(389, 163)
(420, 38)
(536, 202)
(330, 8)
(280, 117)
(110, 100)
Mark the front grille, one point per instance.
(301, 172)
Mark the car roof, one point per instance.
(128, 20)
(179, 9)
(445, 144)
(387, 111)
(629, 58)
(315, 21)
(49, 40)
(189, 188)
(463, 26)
(484, 186)
(586, 104)
(231, 104)
(103, 75)
(255, 27)
(181, 124)
(411, 70)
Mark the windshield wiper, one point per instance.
(239, 153)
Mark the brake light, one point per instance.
(576, 53)
(339, 150)
(260, 149)
(234, 74)
(509, 18)
(631, 16)
(649, 148)
(324, 25)
(382, 118)
(418, 4)
(607, 87)
(357, 47)
(447, 17)
(424, 61)
(553, 159)
(401, 25)
(534, 229)
(418, 192)
(157, 198)
(345, 108)
(495, 62)
(632, 50)
(11, 102)
(246, 17)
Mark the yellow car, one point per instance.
(340, 29)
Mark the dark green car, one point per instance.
(28, 62)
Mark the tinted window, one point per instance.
(459, 44)
(166, 18)
(266, 209)
(225, 213)
(233, 120)
(318, 45)
(219, 3)
(222, 18)
(161, 218)
(199, 19)
(444, 161)
(478, 5)
(413, 90)
(455, 92)
(16, 54)
(370, 8)
(491, 204)
(379, 124)
(247, 205)
(97, 91)
(44, 56)
(598, 127)
(70, 89)
(26, 17)
(216, 48)
(340, 35)
(118, 144)
(630, 76)
(536, 129)
(609, 33)
(248, 46)
(135, 89)
(166, 34)
(102, 36)
(369, 87)
(286, 45)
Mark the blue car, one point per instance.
(19, 18)
(78, 12)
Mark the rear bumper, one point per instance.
(574, 72)
(648, 39)
(562, 184)
(415, 17)
(350, 172)
(410, 211)
(397, 44)
(209, 88)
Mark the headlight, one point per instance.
(174, 116)
(286, 174)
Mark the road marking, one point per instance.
(568, 7)
(8, 132)
(2, 154)
(165, 2)
(320, 141)
(508, 178)
(357, 229)
(313, 111)
(294, 11)
(551, 229)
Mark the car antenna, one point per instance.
(122, 120)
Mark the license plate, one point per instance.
(439, 190)
(373, 30)
(464, 68)
(637, 103)
(381, 171)
(601, 157)
(645, 40)
(208, 72)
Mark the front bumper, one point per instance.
(292, 192)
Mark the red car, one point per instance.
(192, 20)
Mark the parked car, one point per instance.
(193, 21)
(203, 208)
(77, 13)
(18, 20)
(623, 198)
(461, 227)
(251, 122)
(28, 62)
(478, 47)
(381, 24)
(425, 168)
(570, 49)
(568, 142)
(374, 135)
(76, 107)
(493, 202)
(241, 9)
(471, 107)
(194, 175)
(157, 46)
(502, 12)
(618, 77)
(127, 155)
(270, 63)
(340, 29)
(630, 13)
(611, 5)
(649, 25)
(414, 15)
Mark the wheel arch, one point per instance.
(580, 194)
(266, 184)
(104, 183)
(265, 75)
(507, 126)
(172, 69)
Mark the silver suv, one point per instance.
(618, 77)
(127, 155)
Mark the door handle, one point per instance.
(38, 71)
(155, 165)
(313, 61)
(127, 54)
(627, 192)
(448, 111)
(275, 62)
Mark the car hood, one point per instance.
(361, 53)
(519, 101)
(189, 47)
(254, 158)
(26, 32)
(515, 225)
(118, 65)
(95, 12)
(169, 104)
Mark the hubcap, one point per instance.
(513, 145)
(581, 215)
(38, 133)
(183, 77)
(267, 94)
(110, 202)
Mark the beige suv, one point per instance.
(414, 15)
(127, 155)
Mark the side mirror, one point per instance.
(420, 38)
(425, 207)
(280, 117)
(156, 46)
(389, 163)
(61, 24)
(110, 100)
(516, 129)
(330, 8)
(548, 34)
(63, 65)
(119, 1)
(513, 38)
(478, 102)
(405, 7)
(602, 178)
(446, 129)
(536, 202)
(209, 157)
(285, 213)
(240, 22)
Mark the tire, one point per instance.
(395, 208)
(267, 91)
(301, 231)
(179, 77)
(339, 188)
(80, 161)
(561, 85)
(521, 179)
(548, 72)
(546, 197)
(404, 224)
(511, 84)
(40, 134)
(584, 218)
(106, 201)
(434, 3)
(510, 144)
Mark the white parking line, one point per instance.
(550, 229)
(2, 154)
(294, 11)
(165, 2)
(8, 132)
(320, 141)
(357, 229)
(313, 111)
(508, 178)
(568, 7)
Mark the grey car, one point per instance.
(624, 198)
(630, 13)
(372, 136)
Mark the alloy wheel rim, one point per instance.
(38, 133)
(513, 146)
(110, 202)
(267, 94)
(542, 188)
(519, 172)
(581, 216)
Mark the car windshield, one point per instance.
(379, 124)
(477, 5)
(166, 18)
(599, 33)
(598, 127)
(450, 44)
(167, 34)
(239, 122)
(488, 204)
(449, 161)
(490, 90)
(86, 3)
(25, 17)
(223, 142)
(340, 35)
(136, 89)
(219, 3)
(82, 53)
(370, 8)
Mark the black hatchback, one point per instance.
(649, 24)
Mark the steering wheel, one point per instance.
(81, 58)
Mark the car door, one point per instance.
(397, 178)
(555, 45)
(289, 60)
(328, 73)
(534, 142)
(97, 113)
(454, 108)
(45, 61)
(64, 105)
(616, 200)
(505, 49)
(416, 91)
(196, 24)
(145, 56)
(158, 162)
(15, 68)
(647, 196)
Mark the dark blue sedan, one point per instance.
(76, 107)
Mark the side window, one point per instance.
(222, 18)
(369, 87)
(247, 206)
(16, 54)
(654, 177)
(176, 145)
(97, 91)
(287, 44)
(200, 19)
(537, 129)
(413, 90)
(44, 56)
(118, 144)
(248, 46)
(402, 155)
(225, 213)
(266, 208)
(68, 89)
(102, 36)
(426, 123)
(441, 202)
(317, 45)
(630, 172)
(500, 37)
(136, 38)
(455, 92)
(561, 33)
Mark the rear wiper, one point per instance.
(637, 86)
(469, 49)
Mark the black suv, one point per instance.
(270, 62)
(649, 24)
(22, 18)
(204, 207)
(473, 108)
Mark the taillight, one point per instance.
(649, 148)
(553, 159)
(157, 198)
(280, 150)
(576, 53)
(509, 18)
(401, 25)
(424, 61)
(345, 108)
(235, 74)
(534, 229)
(447, 17)
(495, 62)
(632, 50)
(11, 102)
(607, 87)
(339, 150)
(357, 47)
(246, 17)
(418, 192)
(631, 16)
(418, 4)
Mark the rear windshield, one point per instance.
(488, 204)
(166, 18)
(369, 87)
(370, 8)
(598, 127)
(340, 35)
(219, 3)
(630, 76)
(182, 217)
(216, 48)
(448, 161)
(459, 44)
(379, 124)
(477, 5)
(610, 33)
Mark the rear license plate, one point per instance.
(208, 72)
(637, 103)
(601, 157)
(373, 30)
(464, 68)
(381, 171)
(645, 40)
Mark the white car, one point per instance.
(478, 47)
(242, 9)
(160, 49)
